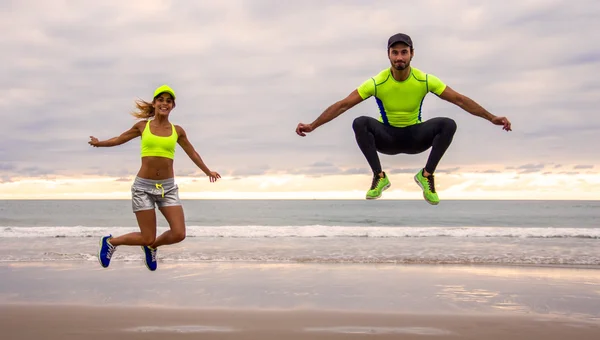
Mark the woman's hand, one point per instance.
(213, 175)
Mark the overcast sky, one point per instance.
(247, 72)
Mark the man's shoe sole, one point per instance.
(382, 190)
(425, 197)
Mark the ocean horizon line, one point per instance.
(312, 199)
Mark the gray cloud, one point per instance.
(322, 165)
(247, 72)
(530, 168)
(35, 171)
(581, 167)
(529, 171)
(448, 170)
(190, 172)
(320, 169)
(357, 171)
(251, 171)
(490, 171)
(7, 167)
(113, 172)
(404, 170)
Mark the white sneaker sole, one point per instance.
(382, 190)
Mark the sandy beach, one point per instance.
(76, 322)
(79, 300)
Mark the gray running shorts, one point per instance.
(148, 193)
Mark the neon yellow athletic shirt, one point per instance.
(153, 145)
(400, 102)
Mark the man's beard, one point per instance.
(400, 67)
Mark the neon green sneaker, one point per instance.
(378, 186)
(426, 183)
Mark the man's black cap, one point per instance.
(400, 38)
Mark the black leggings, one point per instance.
(373, 136)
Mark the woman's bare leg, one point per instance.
(176, 233)
(147, 222)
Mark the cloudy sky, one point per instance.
(247, 72)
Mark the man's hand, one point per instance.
(502, 121)
(93, 141)
(330, 113)
(303, 129)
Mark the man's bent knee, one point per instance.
(359, 123)
(448, 125)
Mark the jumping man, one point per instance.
(399, 92)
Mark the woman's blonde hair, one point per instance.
(144, 110)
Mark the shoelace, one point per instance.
(376, 179)
(431, 185)
(152, 254)
(110, 251)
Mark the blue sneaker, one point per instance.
(106, 251)
(150, 258)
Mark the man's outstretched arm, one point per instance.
(473, 108)
(330, 113)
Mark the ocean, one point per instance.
(548, 233)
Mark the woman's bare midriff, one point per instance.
(156, 168)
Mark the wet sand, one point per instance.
(80, 300)
(77, 322)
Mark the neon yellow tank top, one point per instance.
(400, 102)
(153, 145)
